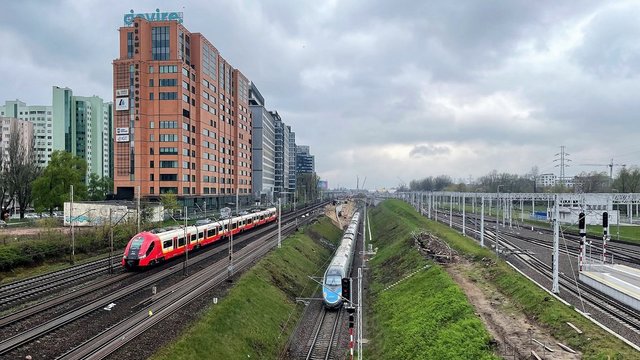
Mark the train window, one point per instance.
(150, 249)
(233, 226)
(194, 237)
(201, 235)
(167, 244)
(211, 232)
(137, 243)
(181, 241)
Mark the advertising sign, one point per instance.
(122, 138)
(122, 92)
(122, 104)
(154, 16)
(122, 131)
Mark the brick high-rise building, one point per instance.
(181, 115)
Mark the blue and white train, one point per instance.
(340, 265)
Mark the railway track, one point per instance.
(170, 298)
(620, 251)
(622, 314)
(324, 335)
(21, 291)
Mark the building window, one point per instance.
(151, 96)
(168, 82)
(160, 42)
(151, 190)
(151, 164)
(168, 69)
(129, 45)
(168, 151)
(168, 95)
(168, 137)
(168, 164)
(168, 124)
(151, 81)
(185, 190)
(151, 177)
(168, 177)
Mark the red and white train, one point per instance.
(149, 247)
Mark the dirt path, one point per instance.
(347, 212)
(510, 328)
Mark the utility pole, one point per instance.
(185, 264)
(464, 227)
(497, 242)
(230, 268)
(72, 259)
(110, 242)
(279, 224)
(482, 224)
(556, 245)
(138, 208)
(450, 210)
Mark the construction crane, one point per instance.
(610, 165)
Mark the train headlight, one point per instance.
(142, 256)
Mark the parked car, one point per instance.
(3, 224)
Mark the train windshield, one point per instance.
(136, 243)
(333, 280)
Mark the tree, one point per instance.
(6, 198)
(628, 180)
(51, 189)
(99, 187)
(307, 187)
(170, 201)
(21, 169)
(592, 182)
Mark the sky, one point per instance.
(387, 90)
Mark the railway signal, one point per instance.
(605, 236)
(346, 288)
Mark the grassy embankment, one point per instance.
(257, 316)
(526, 297)
(426, 316)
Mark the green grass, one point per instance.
(426, 316)
(255, 319)
(535, 303)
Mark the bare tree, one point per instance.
(6, 198)
(22, 169)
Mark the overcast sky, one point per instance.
(390, 90)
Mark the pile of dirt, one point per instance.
(433, 248)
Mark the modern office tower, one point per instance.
(263, 148)
(305, 162)
(9, 125)
(282, 158)
(292, 162)
(82, 126)
(181, 115)
(42, 119)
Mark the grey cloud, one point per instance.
(428, 150)
(610, 47)
(395, 59)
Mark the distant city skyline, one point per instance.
(384, 90)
